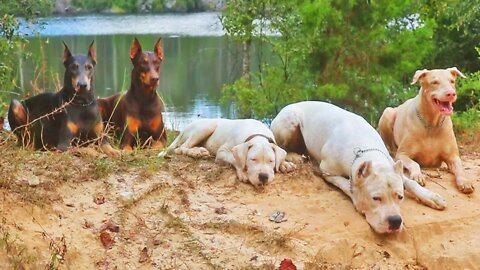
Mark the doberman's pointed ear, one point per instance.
(136, 49)
(66, 53)
(92, 53)
(158, 50)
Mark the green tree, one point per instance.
(11, 41)
(456, 33)
(356, 53)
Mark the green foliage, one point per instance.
(126, 5)
(11, 42)
(92, 5)
(353, 53)
(467, 116)
(456, 34)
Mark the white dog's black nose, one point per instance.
(263, 177)
(394, 222)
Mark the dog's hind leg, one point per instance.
(287, 132)
(385, 129)
(18, 120)
(17, 115)
(195, 134)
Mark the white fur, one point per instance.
(253, 160)
(331, 136)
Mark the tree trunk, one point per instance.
(246, 59)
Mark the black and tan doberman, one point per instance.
(137, 115)
(69, 117)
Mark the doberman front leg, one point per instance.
(67, 132)
(412, 167)
(464, 185)
(159, 134)
(104, 143)
(132, 126)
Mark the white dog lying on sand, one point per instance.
(353, 157)
(246, 144)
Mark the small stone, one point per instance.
(33, 181)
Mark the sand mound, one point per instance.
(188, 214)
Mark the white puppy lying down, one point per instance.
(353, 157)
(246, 144)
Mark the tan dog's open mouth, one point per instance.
(445, 107)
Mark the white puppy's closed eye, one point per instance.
(280, 155)
(240, 154)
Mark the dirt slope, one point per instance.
(188, 214)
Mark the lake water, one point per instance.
(198, 59)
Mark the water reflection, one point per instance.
(193, 71)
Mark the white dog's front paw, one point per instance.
(198, 152)
(287, 166)
(243, 177)
(294, 158)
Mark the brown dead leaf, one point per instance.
(109, 225)
(107, 240)
(99, 199)
(287, 264)
(144, 256)
(2, 121)
(220, 210)
(87, 224)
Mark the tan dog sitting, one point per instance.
(419, 132)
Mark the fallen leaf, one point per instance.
(386, 255)
(220, 210)
(2, 121)
(107, 240)
(144, 255)
(287, 264)
(87, 224)
(109, 225)
(99, 199)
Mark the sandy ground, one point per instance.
(194, 214)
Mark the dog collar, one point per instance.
(359, 152)
(425, 124)
(83, 104)
(270, 140)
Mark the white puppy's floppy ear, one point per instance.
(418, 75)
(455, 72)
(280, 155)
(240, 154)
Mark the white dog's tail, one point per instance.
(172, 146)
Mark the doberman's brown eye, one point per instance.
(74, 66)
(89, 67)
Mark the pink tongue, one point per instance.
(446, 107)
